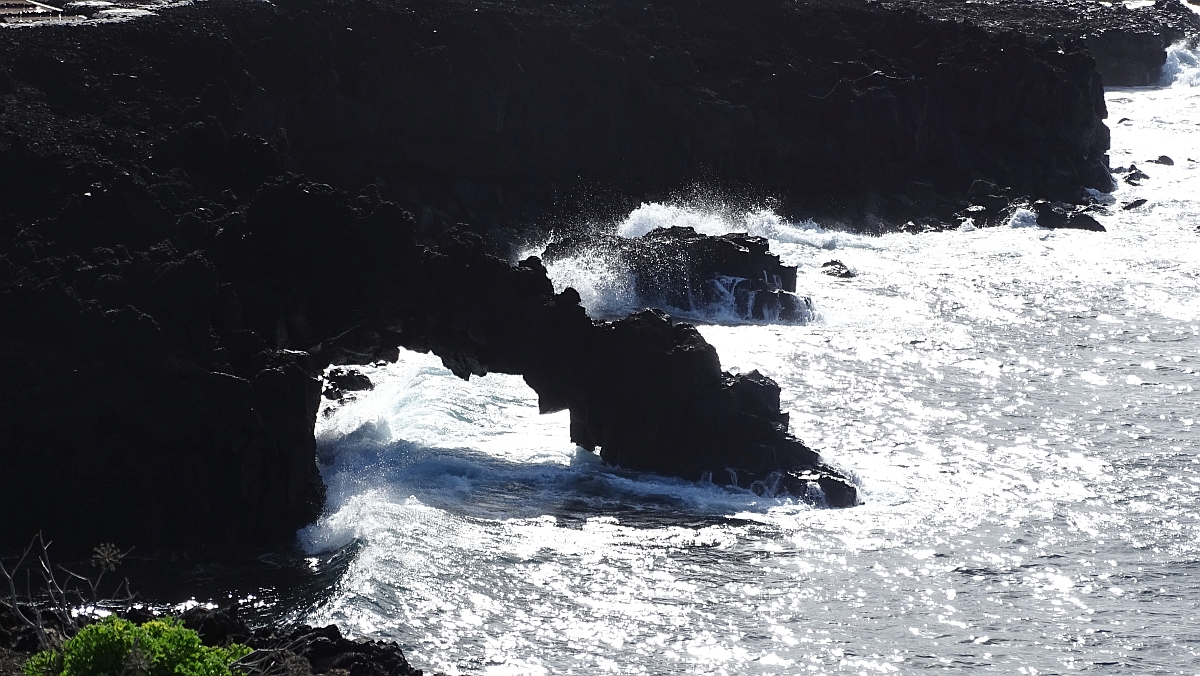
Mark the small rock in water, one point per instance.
(1136, 176)
(1049, 215)
(1133, 205)
(1082, 221)
(1163, 159)
(1053, 216)
(836, 268)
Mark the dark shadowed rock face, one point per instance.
(497, 113)
(169, 294)
(168, 396)
(1129, 45)
(730, 276)
(301, 650)
(291, 651)
(657, 400)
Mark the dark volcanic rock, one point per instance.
(497, 113)
(677, 268)
(1129, 44)
(170, 296)
(1054, 216)
(169, 396)
(343, 380)
(836, 268)
(656, 399)
(285, 651)
(1135, 175)
(303, 650)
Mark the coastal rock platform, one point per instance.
(203, 209)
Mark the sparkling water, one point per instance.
(1018, 406)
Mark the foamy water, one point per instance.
(1018, 405)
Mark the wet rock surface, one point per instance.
(172, 285)
(339, 381)
(836, 268)
(730, 276)
(167, 395)
(1055, 216)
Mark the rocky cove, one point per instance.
(204, 209)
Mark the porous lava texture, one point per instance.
(186, 242)
(1129, 44)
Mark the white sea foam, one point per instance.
(1017, 404)
(709, 221)
(1182, 67)
(607, 289)
(1022, 218)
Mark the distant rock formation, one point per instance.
(1129, 45)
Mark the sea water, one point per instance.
(1018, 406)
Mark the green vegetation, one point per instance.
(116, 647)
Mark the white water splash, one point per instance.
(708, 221)
(1182, 67)
(1018, 405)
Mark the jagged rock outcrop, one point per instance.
(286, 650)
(502, 113)
(1129, 44)
(168, 396)
(169, 292)
(300, 650)
(730, 276)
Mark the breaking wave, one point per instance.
(1182, 67)
(609, 289)
(708, 221)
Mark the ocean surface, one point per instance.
(1018, 405)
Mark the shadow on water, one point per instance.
(480, 486)
(266, 586)
(282, 585)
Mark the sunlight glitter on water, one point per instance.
(1018, 405)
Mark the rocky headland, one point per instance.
(203, 209)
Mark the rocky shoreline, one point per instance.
(204, 209)
(295, 651)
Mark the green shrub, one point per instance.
(116, 647)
